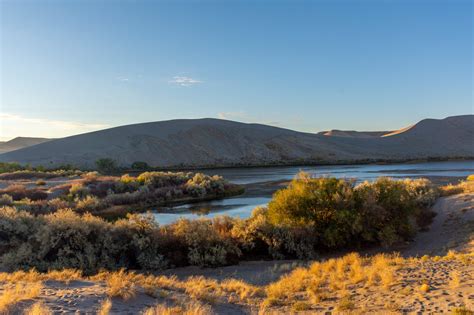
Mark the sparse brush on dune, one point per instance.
(329, 282)
(193, 308)
(121, 284)
(38, 308)
(105, 307)
(16, 292)
(464, 186)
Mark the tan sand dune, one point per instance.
(354, 134)
(19, 143)
(214, 142)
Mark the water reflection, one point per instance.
(235, 207)
(256, 196)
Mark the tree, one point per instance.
(106, 165)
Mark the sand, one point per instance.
(217, 143)
(19, 143)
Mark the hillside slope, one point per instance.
(214, 142)
(19, 143)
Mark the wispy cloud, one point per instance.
(15, 125)
(184, 81)
(123, 79)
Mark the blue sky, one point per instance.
(69, 67)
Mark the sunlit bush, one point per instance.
(208, 245)
(340, 213)
(6, 200)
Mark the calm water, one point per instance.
(256, 178)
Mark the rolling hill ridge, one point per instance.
(213, 142)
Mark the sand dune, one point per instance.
(354, 134)
(214, 142)
(19, 143)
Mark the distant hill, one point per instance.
(213, 142)
(19, 143)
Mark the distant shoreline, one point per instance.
(309, 163)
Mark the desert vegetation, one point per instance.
(310, 217)
(465, 186)
(112, 196)
(382, 283)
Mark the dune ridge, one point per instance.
(211, 142)
(19, 143)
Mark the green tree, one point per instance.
(106, 165)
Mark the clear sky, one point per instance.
(69, 67)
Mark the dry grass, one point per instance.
(65, 275)
(38, 309)
(20, 291)
(463, 187)
(425, 287)
(455, 281)
(193, 308)
(463, 310)
(331, 282)
(121, 284)
(334, 276)
(241, 289)
(105, 307)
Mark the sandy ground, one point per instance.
(453, 228)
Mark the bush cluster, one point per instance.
(310, 216)
(27, 171)
(94, 193)
(340, 213)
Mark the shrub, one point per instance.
(6, 200)
(121, 284)
(19, 292)
(309, 216)
(207, 245)
(340, 214)
(140, 165)
(460, 188)
(463, 310)
(78, 190)
(105, 307)
(106, 166)
(194, 308)
(10, 167)
(38, 309)
(88, 204)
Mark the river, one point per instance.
(262, 182)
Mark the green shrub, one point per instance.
(107, 166)
(6, 200)
(208, 246)
(140, 166)
(340, 213)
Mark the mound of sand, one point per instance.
(19, 143)
(354, 134)
(214, 142)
